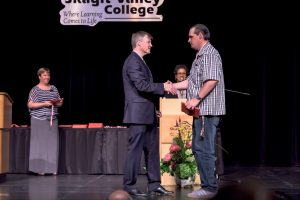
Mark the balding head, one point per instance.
(119, 195)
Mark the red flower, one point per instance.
(173, 166)
(188, 144)
(167, 157)
(174, 148)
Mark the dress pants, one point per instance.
(142, 138)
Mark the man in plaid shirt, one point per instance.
(205, 90)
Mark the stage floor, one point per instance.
(98, 187)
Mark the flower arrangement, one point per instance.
(180, 161)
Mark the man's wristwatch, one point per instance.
(199, 98)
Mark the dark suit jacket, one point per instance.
(140, 91)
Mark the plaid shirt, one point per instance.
(208, 66)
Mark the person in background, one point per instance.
(141, 116)
(181, 72)
(43, 102)
(205, 90)
(119, 195)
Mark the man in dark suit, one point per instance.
(140, 114)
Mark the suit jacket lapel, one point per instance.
(146, 66)
(149, 71)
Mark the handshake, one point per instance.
(170, 87)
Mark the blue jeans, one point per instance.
(204, 150)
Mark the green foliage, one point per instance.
(180, 161)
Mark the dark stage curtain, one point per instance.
(81, 151)
(19, 140)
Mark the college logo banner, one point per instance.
(90, 12)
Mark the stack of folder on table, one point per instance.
(79, 126)
(95, 125)
(65, 126)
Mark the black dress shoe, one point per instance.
(136, 192)
(160, 191)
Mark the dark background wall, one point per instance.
(259, 45)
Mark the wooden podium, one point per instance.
(5, 122)
(171, 114)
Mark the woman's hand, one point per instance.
(48, 103)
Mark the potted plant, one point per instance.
(180, 161)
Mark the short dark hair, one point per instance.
(43, 70)
(180, 66)
(201, 28)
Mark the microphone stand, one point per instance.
(238, 92)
